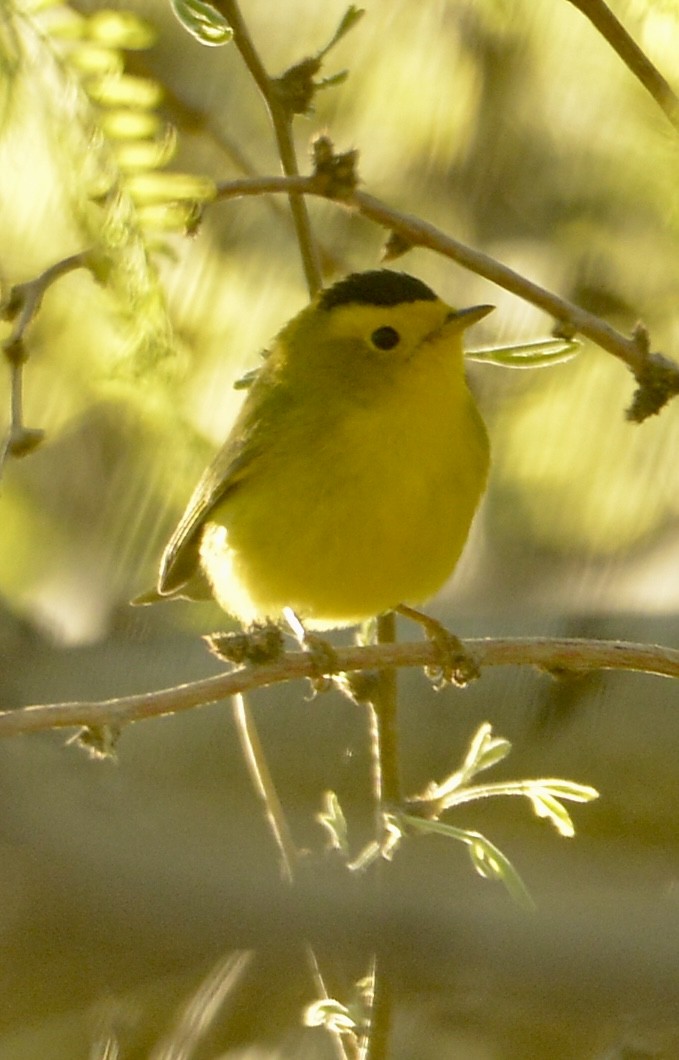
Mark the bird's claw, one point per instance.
(261, 643)
(455, 664)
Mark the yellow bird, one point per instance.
(349, 481)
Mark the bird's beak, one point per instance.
(461, 319)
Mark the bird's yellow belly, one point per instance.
(357, 543)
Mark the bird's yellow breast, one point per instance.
(372, 503)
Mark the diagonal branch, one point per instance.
(657, 376)
(600, 15)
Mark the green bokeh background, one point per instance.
(513, 127)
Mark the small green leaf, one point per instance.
(126, 124)
(120, 29)
(330, 1014)
(203, 22)
(545, 805)
(125, 91)
(66, 25)
(391, 839)
(486, 858)
(367, 857)
(145, 155)
(333, 820)
(569, 789)
(95, 59)
(180, 217)
(484, 862)
(349, 19)
(542, 354)
(485, 750)
(334, 79)
(491, 863)
(148, 188)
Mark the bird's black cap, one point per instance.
(380, 287)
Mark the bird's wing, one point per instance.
(180, 562)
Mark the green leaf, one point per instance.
(120, 29)
(349, 19)
(169, 217)
(334, 79)
(542, 354)
(203, 22)
(545, 805)
(96, 60)
(125, 90)
(333, 820)
(569, 789)
(126, 124)
(143, 155)
(485, 750)
(330, 1014)
(148, 188)
(492, 864)
(487, 859)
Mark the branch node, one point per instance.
(15, 350)
(658, 382)
(564, 329)
(100, 741)
(335, 175)
(641, 339)
(358, 685)
(262, 643)
(396, 245)
(295, 89)
(23, 440)
(12, 302)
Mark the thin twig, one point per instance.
(197, 1016)
(554, 655)
(655, 373)
(265, 789)
(267, 794)
(386, 774)
(21, 305)
(281, 120)
(600, 15)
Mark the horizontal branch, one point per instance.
(560, 657)
(657, 375)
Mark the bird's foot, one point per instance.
(260, 643)
(455, 664)
(321, 652)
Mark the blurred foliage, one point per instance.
(512, 126)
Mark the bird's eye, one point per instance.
(385, 338)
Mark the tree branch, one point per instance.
(656, 375)
(282, 126)
(20, 306)
(603, 19)
(557, 656)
